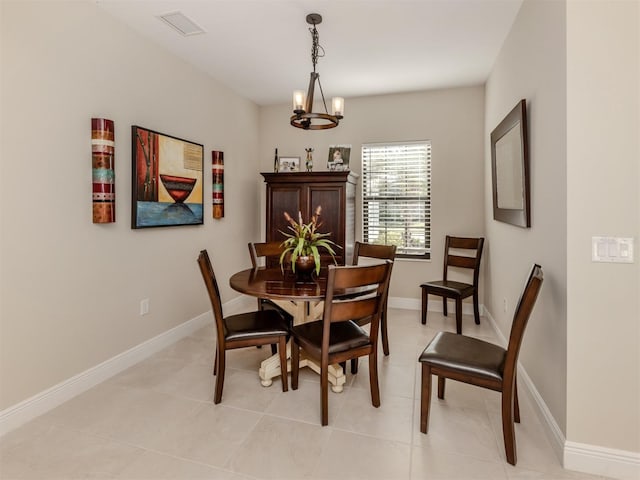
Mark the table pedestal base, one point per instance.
(302, 312)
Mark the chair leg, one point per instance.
(295, 364)
(441, 384)
(516, 406)
(476, 308)
(444, 306)
(383, 328)
(425, 397)
(220, 376)
(425, 302)
(354, 366)
(324, 393)
(508, 428)
(274, 349)
(282, 347)
(373, 379)
(215, 362)
(458, 315)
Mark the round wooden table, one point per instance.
(302, 299)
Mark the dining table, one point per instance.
(302, 298)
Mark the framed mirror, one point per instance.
(510, 168)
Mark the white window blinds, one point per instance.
(396, 196)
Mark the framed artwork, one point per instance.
(338, 158)
(166, 180)
(510, 168)
(288, 164)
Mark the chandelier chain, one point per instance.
(316, 49)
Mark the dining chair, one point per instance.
(379, 252)
(250, 329)
(270, 252)
(353, 293)
(476, 362)
(447, 288)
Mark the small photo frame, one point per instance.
(288, 164)
(338, 160)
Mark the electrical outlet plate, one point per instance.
(144, 306)
(612, 249)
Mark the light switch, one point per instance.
(612, 249)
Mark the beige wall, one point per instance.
(531, 65)
(69, 289)
(452, 119)
(603, 163)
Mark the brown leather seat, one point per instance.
(481, 363)
(266, 327)
(446, 288)
(354, 293)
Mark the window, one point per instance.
(396, 196)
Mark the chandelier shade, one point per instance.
(303, 115)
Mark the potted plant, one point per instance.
(303, 243)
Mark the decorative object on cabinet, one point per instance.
(339, 158)
(510, 168)
(166, 180)
(103, 173)
(309, 163)
(303, 243)
(288, 164)
(303, 117)
(217, 175)
(303, 192)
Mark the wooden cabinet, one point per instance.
(335, 192)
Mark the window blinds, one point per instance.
(396, 196)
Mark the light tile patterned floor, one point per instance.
(157, 421)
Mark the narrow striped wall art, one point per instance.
(217, 170)
(103, 173)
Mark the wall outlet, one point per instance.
(144, 306)
(504, 305)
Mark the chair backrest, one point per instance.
(366, 287)
(520, 320)
(214, 292)
(471, 261)
(370, 250)
(268, 250)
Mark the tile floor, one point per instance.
(157, 421)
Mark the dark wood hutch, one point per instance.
(304, 191)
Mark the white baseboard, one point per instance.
(434, 306)
(592, 459)
(603, 461)
(17, 415)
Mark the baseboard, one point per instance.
(17, 415)
(434, 306)
(603, 461)
(580, 457)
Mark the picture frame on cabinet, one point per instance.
(288, 164)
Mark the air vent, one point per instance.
(179, 22)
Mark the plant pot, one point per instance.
(305, 266)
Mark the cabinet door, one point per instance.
(280, 199)
(331, 199)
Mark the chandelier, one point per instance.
(302, 107)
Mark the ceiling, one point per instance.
(262, 48)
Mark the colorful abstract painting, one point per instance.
(166, 180)
(103, 174)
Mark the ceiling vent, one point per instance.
(183, 25)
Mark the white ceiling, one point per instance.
(262, 48)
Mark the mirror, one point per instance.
(510, 168)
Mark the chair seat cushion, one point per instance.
(343, 336)
(254, 324)
(465, 355)
(448, 287)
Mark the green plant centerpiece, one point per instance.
(304, 241)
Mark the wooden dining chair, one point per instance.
(353, 293)
(447, 288)
(379, 252)
(483, 364)
(262, 327)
